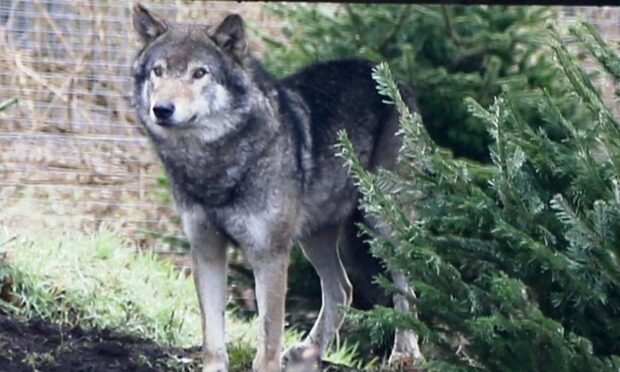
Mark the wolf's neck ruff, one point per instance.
(211, 172)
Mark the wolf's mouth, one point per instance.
(191, 121)
(167, 123)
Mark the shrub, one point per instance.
(515, 262)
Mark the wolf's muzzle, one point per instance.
(163, 110)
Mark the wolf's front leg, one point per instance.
(270, 273)
(209, 272)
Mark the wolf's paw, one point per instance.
(266, 366)
(302, 358)
(403, 362)
(214, 368)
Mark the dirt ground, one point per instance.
(37, 345)
(41, 346)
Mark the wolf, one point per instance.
(252, 164)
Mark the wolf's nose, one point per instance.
(163, 109)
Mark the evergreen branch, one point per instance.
(474, 247)
(478, 111)
(558, 116)
(507, 166)
(582, 85)
(590, 38)
(389, 39)
(389, 285)
(591, 251)
(375, 201)
(358, 25)
(386, 86)
(495, 120)
(447, 18)
(569, 217)
(554, 262)
(414, 134)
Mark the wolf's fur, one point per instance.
(251, 162)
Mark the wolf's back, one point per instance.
(340, 94)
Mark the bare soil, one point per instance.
(40, 345)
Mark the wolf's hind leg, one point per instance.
(208, 250)
(322, 251)
(405, 350)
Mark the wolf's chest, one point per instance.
(204, 178)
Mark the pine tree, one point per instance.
(515, 262)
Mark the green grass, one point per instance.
(99, 280)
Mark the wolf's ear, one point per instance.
(147, 25)
(230, 36)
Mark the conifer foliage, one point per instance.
(515, 262)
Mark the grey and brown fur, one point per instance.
(251, 163)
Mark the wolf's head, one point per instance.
(189, 76)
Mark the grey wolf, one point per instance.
(252, 163)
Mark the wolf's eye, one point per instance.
(158, 71)
(199, 73)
